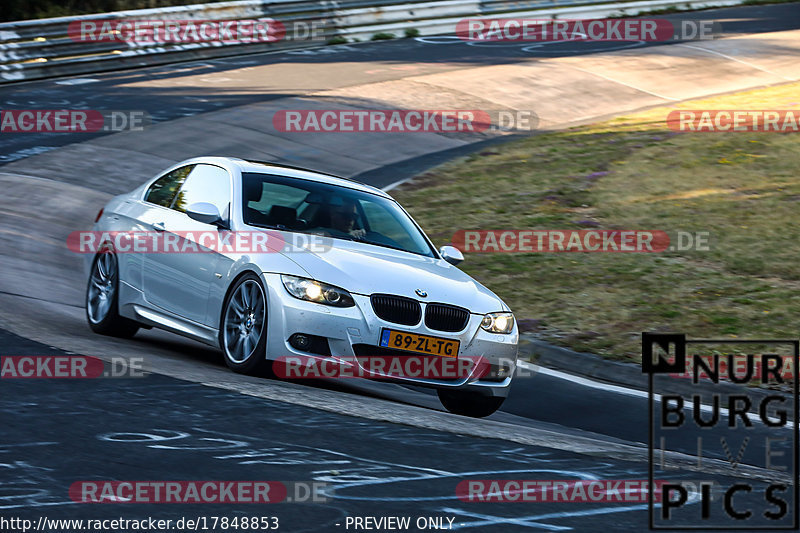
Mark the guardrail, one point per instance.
(35, 49)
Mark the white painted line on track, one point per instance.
(76, 81)
(395, 184)
(636, 393)
(762, 69)
(584, 381)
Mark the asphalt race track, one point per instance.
(379, 449)
(157, 427)
(433, 54)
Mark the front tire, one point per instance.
(469, 403)
(243, 327)
(102, 298)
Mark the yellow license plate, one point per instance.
(424, 344)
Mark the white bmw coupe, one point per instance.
(342, 272)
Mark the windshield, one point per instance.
(306, 206)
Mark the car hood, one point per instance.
(367, 269)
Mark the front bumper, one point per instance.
(358, 325)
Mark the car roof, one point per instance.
(279, 169)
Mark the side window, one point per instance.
(206, 183)
(164, 189)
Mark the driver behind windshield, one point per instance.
(343, 219)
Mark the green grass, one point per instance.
(742, 188)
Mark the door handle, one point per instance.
(159, 226)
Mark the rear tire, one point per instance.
(469, 403)
(102, 298)
(243, 327)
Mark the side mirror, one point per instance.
(204, 212)
(451, 254)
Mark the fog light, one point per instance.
(500, 371)
(306, 342)
(300, 341)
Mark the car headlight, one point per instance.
(498, 322)
(314, 291)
